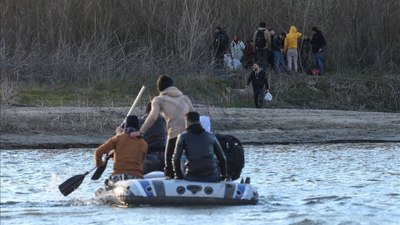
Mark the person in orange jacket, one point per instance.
(129, 153)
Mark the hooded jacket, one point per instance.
(237, 49)
(292, 38)
(173, 106)
(203, 153)
(129, 153)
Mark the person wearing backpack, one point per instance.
(318, 43)
(262, 44)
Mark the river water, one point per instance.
(297, 184)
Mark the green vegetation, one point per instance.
(332, 91)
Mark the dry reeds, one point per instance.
(82, 41)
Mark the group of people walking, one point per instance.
(171, 129)
(269, 49)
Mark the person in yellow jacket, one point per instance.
(290, 47)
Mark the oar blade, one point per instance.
(71, 184)
(99, 171)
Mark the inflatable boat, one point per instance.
(159, 191)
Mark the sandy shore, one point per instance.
(64, 127)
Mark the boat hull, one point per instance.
(180, 192)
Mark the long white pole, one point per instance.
(134, 103)
(136, 100)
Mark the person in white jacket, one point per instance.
(236, 48)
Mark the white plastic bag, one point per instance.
(268, 97)
(232, 63)
(205, 123)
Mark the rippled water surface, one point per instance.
(297, 184)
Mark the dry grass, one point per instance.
(86, 41)
(8, 91)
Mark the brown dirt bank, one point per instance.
(70, 127)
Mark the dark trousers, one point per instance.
(262, 58)
(169, 151)
(214, 177)
(258, 97)
(154, 161)
(219, 60)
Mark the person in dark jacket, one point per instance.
(262, 45)
(318, 43)
(220, 46)
(277, 48)
(156, 138)
(258, 80)
(205, 159)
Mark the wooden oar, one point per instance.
(74, 182)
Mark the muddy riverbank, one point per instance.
(70, 127)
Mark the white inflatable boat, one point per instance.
(158, 191)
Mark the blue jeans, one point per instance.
(278, 57)
(319, 61)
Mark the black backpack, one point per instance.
(260, 39)
(234, 154)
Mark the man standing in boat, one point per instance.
(173, 106)
(205, 159)
(129, 153)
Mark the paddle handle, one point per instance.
(90, 171)
(136, 101)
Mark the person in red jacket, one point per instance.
(129, 153)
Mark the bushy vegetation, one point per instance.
(91, 52)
